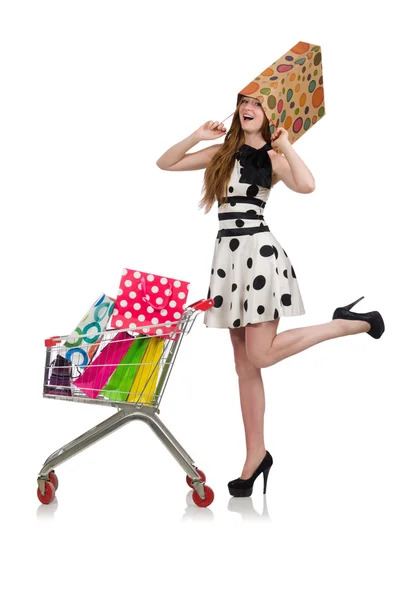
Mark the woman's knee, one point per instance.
(259, 339)
(260, 361)
(244, 368)
(241, 362)
(243, 365)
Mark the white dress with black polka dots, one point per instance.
(252, 278)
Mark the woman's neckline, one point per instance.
(261, 148)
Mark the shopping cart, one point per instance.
(62, 382)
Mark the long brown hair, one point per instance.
(219, 170)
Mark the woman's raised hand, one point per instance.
(211, 130)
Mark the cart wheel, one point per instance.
(53, 479)
(49, 493)
(209, 497)
(189, 479)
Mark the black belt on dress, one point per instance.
(239, 215)
(244, 200)
(242, 231)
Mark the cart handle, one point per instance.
(52, 341)
(202, 304)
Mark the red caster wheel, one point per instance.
(49, 493)
(209, 497)
(53, 479)
(189, 479)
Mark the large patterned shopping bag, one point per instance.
(145, 381)
(149, 301)
(104, 364)
(80, 350)
(118, 387)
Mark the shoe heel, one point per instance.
(265, 475)
(349, 306)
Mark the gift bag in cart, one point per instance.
(119, 385)
(134, 386)
(80, 347)
(150, 302)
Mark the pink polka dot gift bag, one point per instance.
(151, 304)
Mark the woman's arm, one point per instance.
(293, 172)
(192, 161)
(178, 151)
(176, 159)
(290, 168)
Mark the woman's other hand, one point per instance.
(211, 130)
(279, 139)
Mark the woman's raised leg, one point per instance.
(264, 350)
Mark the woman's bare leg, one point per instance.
(264, 351)
(252, 401)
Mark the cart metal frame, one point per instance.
(130, 411)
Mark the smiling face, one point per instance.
(251, 115)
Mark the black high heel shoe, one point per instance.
(374, 318)
(242, 488)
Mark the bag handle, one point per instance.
(146, 297)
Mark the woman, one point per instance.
(253, 282)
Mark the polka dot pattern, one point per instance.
(252, 279)
(234, 244)
(145, 301)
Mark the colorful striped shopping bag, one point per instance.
(104, 365)
(145, 381)
(118, 387)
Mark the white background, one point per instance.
(92, 93)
